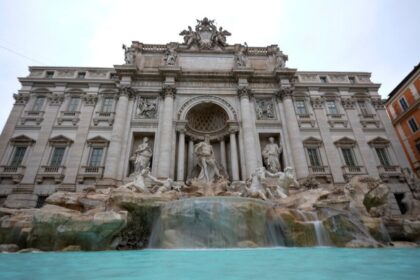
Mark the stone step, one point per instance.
(23, 189)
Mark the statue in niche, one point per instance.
(142, 156)
(206, 161)
(240, 56)
(271, 154)
(170, 56)
(146, 108)
(129, 54)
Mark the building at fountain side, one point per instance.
(74, 127)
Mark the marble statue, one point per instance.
(284, 181)
(206, 161)
(256, 188)
(271, 154)
(163, 185)
(146, 108)
(138, 184)
(240, 56)
(281, 60)
(220, 37)
(190, 36)
(170, 56)
(142, 156)
(129, 54)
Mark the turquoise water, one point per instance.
(255, 264)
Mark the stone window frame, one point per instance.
(97, 142)
(34, 102)
(105, 95)
(380, 142)
(312, 142)
(54, 142)
(18, 141)
(346, 142)
(73, 93)
(305, 98)
(332, 96)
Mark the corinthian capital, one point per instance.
(168, 90)
(244, 91)
(55, 99)
(126, 91)
(285, 91)
(21, 98)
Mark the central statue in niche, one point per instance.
(206, 161)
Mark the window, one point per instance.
(107, 104)
(38, 104)
(413, 125)
(50, 74)
(57, 156)
(73, 104)
(323, 79)
(314, 158)
(383, 156)
(113, 76)
(352, 80)
(81, 75)
(403, 104)
(96, 157)
(348, 156)
(331, 107)
(18, 156)
(300, 107)
(364, 110)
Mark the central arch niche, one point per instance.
(207, 118)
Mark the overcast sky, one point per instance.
(380, 36)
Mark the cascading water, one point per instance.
(216, 222)
(322, 236)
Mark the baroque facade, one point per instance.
(73, 127)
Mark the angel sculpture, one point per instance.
(220, 37)
(189, 36)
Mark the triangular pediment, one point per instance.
(23, 139)
(379, 141)
(98, 139)
(60, 139)
(345, 141)
(312, 141)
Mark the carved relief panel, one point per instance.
(264, 109)
(146, 108)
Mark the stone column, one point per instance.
(334, 161)
(75, 158)
(298, 152)
(190, 156)
(165, 141)
(234, 155)
(12, 121)
(223, 152)
(288, 158)
(35, 158)
(114, 152)
(181, 155)
(251, 157)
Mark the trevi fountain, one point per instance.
(260, 217)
